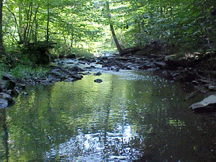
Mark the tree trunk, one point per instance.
(48, 19)
(19, 27)
(2, 50)
(36, 30)
(72, 37)
(121, 51)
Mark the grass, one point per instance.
(23, 71)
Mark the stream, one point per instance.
(129, 116)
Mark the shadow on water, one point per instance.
(130, 116)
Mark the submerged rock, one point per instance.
(206, 105)
(98, 73)
(98, 80)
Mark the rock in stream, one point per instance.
(206, 105)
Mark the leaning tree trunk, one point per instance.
(121, 51)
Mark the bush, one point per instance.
(38, 52)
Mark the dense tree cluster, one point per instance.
(180, 25)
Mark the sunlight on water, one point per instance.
(92, 146)
(129, 116)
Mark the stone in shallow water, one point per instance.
(69, 79)
(98, 73)
(98, 80)
(207, 104)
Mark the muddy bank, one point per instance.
(199, 73)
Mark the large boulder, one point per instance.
(7, 82)
(98, 80)
(206, 105)
(6, 100)
(3, 103)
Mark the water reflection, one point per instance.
(4, 150)
(96, 147)
(130, 116)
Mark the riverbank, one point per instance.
(199, 72)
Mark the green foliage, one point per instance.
(38, 52)
(69, 23)
(61, 50)
(187, 25)
(23, 71)
(81, 52)
(83, 24)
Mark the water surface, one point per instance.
(130, 116)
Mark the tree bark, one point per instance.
(19, 27)
(36, 29)
(48, 19)
(121, 51)
(2, 50)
